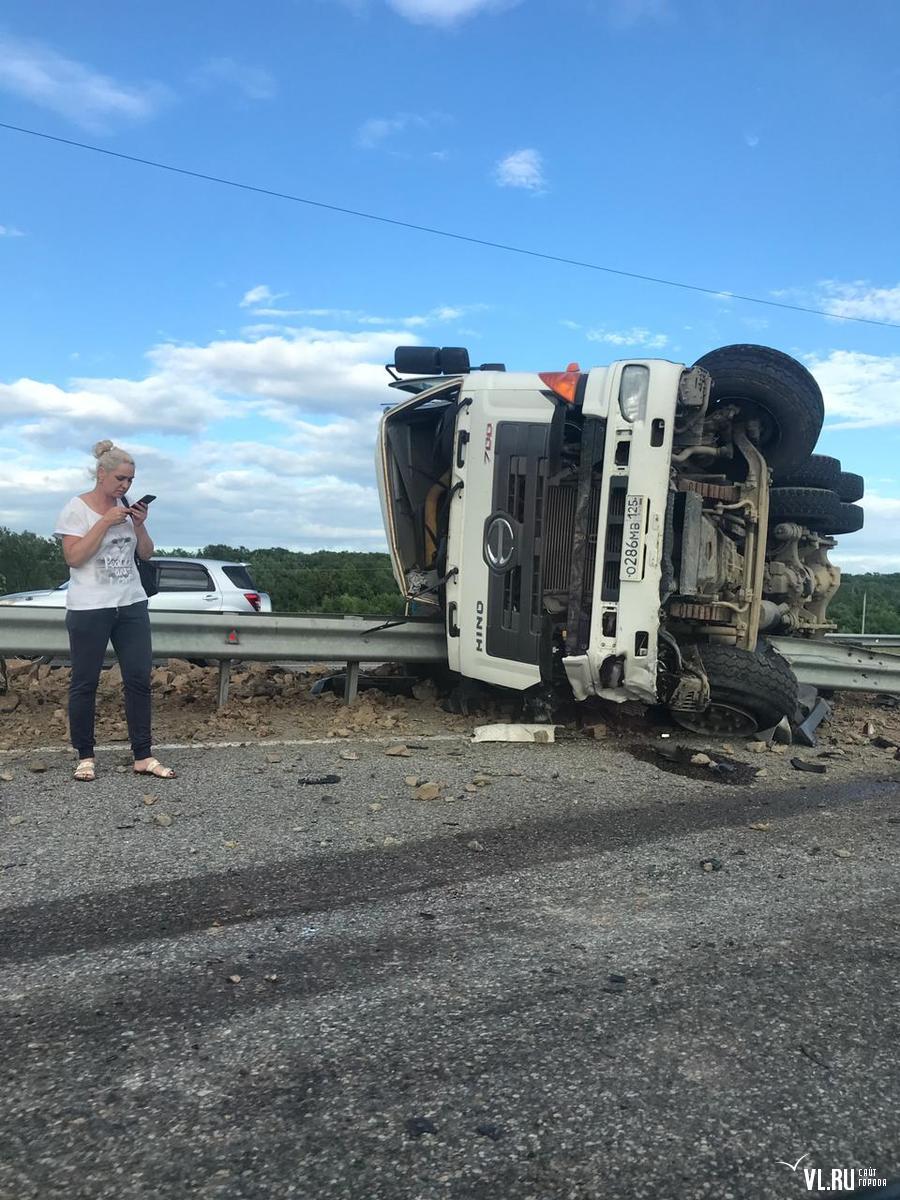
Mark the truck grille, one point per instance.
(556, 540)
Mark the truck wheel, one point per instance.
(815, 507)
(819, 471)
(850, 520)
(749, 690)
(850, 487)
(775, 389)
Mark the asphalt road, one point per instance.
(260, 987)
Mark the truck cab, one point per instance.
(607, 532)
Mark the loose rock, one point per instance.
(427, 791)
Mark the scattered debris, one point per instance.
(6, 776)
(162, 819)
(375, 807)
(234, 978)
(800, 764)
(349, 755)
(711, 864)
(427, 791)
(514, 733)
(489, 1130)
(842, 853)
(868, 729)
(474, 844)
(757, 747)
(411, 780)
(701, 760)
(615, 984)
(806, 732)
(392, 841)
(148, 799)
(399, 751)
(15, 820)
(815, 1056)
(37, 767)
(883, 743)
(318, 780)
(416, 1126)
(760, 826)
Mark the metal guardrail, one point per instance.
(254, 637)
(865, 639)
(837, 665)
(841, 661)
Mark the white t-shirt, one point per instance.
(109, 579)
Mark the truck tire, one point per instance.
(777, 390)
(819, 471)
(850, 487)
(850, 520)
(749, 690)
(814, 507)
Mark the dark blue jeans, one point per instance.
(90, 632)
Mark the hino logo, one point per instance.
(479, 625)
(499, 543)
(488, 441)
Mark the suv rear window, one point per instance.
(184, 577)
(240, 577)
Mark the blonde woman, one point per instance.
(105, 602)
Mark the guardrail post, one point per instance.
(351, 682)
(224, 678)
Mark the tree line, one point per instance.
(348, 581)
(324, 581)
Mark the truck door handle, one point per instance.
(452, 627)
(462, 440)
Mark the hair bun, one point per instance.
(101, 448)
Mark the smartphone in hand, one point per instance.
(143, 500)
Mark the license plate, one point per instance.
(631, 567)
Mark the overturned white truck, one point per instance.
(630, 531)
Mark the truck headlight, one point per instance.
(633, 388)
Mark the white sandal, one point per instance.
(86, 771)
(154, 767)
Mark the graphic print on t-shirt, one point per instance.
(114, 561)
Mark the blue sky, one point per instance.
(235, 342)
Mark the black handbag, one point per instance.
(149, 573)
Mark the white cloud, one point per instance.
(295, 467)
(261, 294)
(635, 336)
(10, 231)
(446, 12)
(860, 299)
(752, 140)
(521, 169)
(376, 130)
(860, 390)
(253, 83)
(877, 545)
(34, 72)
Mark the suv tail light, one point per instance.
(253, 597)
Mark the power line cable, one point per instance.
(445, 233)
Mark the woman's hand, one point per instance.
(138, 514)
(116, 515)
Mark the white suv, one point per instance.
(185, 585)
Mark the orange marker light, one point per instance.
(563, 383)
